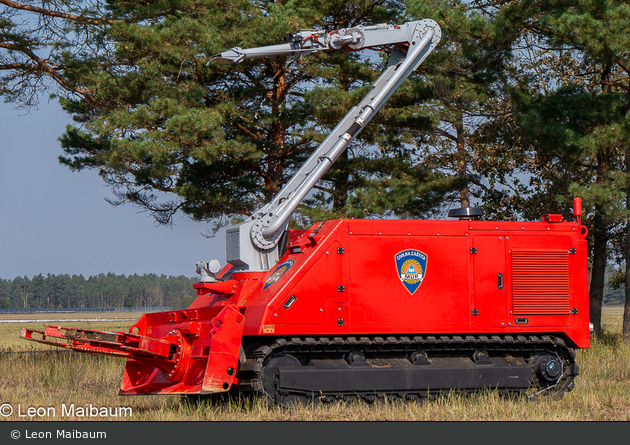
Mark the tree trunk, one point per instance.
(464, 198)
(600, 237)
(341, 175)
(341, 178)
(625, 330)
(596, 291)
(278, 133)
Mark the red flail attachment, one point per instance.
(174, 352)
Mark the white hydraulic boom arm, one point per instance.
(253, 244)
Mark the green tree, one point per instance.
(559, 126)
(576, 155)
(463, 83)
(38, 286)
(76, 288)
(5, 300)
(20, 292)
(580, 131)
(433, 159)
(165, 129)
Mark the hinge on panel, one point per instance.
(340, 322)
(574, 310)
(339, 250)
(475, 311)
(341, 288)
(572, 251)
(473, 250)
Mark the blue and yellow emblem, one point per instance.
(280, 270)
(411, 266)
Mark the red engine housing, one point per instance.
(343, 277)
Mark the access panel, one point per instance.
(490, 301)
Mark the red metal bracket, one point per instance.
(100, 342)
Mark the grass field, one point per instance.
(53, 379)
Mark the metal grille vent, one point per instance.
(540, 282)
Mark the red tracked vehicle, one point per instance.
(365, 308)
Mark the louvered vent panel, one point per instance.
(540, 282)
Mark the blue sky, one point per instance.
(53, 220)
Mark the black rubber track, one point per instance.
(256, 372)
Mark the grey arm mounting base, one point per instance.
(242, 251)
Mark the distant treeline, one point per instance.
(103, 290)
(111, 290)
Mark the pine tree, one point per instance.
(588, 120)
(169, 131)
(464, 82)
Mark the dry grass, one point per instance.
(51, 379)
(612, 319)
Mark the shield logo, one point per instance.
(280, 270)
(411, 267)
